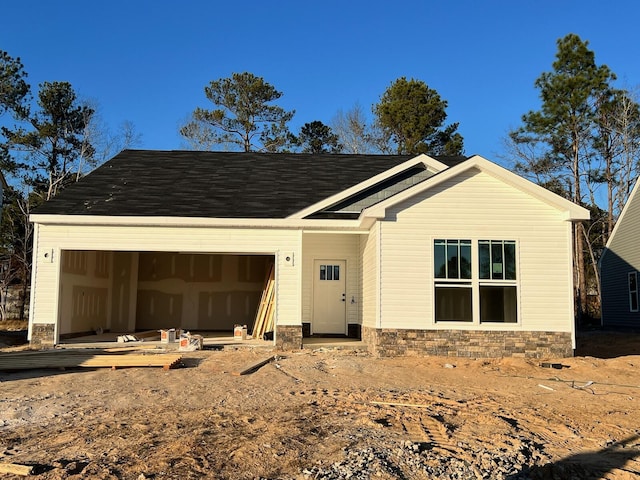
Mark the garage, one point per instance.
(129, 292)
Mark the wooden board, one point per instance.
(265, 309)
(16, 469)
(253, 366)
(67, 359)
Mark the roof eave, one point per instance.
(285, 223)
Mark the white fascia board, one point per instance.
(571, 210)
(430, 164)
(96, 220)
(333, 232)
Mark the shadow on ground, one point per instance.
(590, 465)
(607, 343)
(12, 338)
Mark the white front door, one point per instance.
(329, 297)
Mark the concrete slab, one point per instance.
(314, 343)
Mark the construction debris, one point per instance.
(240, 332)
(127, 338)
(190, 343)
(253, 366)
(168, 336)
(557, 366)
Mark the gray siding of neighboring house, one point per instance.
(621, 257)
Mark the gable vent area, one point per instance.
(351, 207)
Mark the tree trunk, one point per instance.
(579, 243)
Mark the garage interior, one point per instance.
(130, 292)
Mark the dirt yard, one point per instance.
(329, 414)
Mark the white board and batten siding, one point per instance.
(476, 206)
(331, 246)
(50, 240)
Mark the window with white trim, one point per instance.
(453, 293)
(633, 291)
(485, 294)
(497, 286)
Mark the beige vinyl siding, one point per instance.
(621, 257)
(278, 242)
(329, 246)
(370, 284)
(476, 206)
(43, 307)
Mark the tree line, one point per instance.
(582, 143)
(46, 143)
(409, 119)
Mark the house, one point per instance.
(413, 254)
(619, 267)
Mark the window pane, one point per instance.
(439, 259)
(329, 272)
(498, 304)
(633, 291)
(510, 260)
(323, 272)
(496, 261)
(452, 259)
(485, 259)
(453, 304)
(465, 259)
(336, 272)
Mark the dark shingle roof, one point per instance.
(156, 183)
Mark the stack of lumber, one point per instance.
(83, 358)
(264, 315)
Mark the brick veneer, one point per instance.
(288, 337)
(467, 343)
(42, 335)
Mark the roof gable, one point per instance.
(570, 209)
(626, 216)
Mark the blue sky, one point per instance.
(147, 61)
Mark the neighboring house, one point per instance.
(415, 255)
(620, 267)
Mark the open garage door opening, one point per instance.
(131, 292)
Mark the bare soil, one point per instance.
(332, 414)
